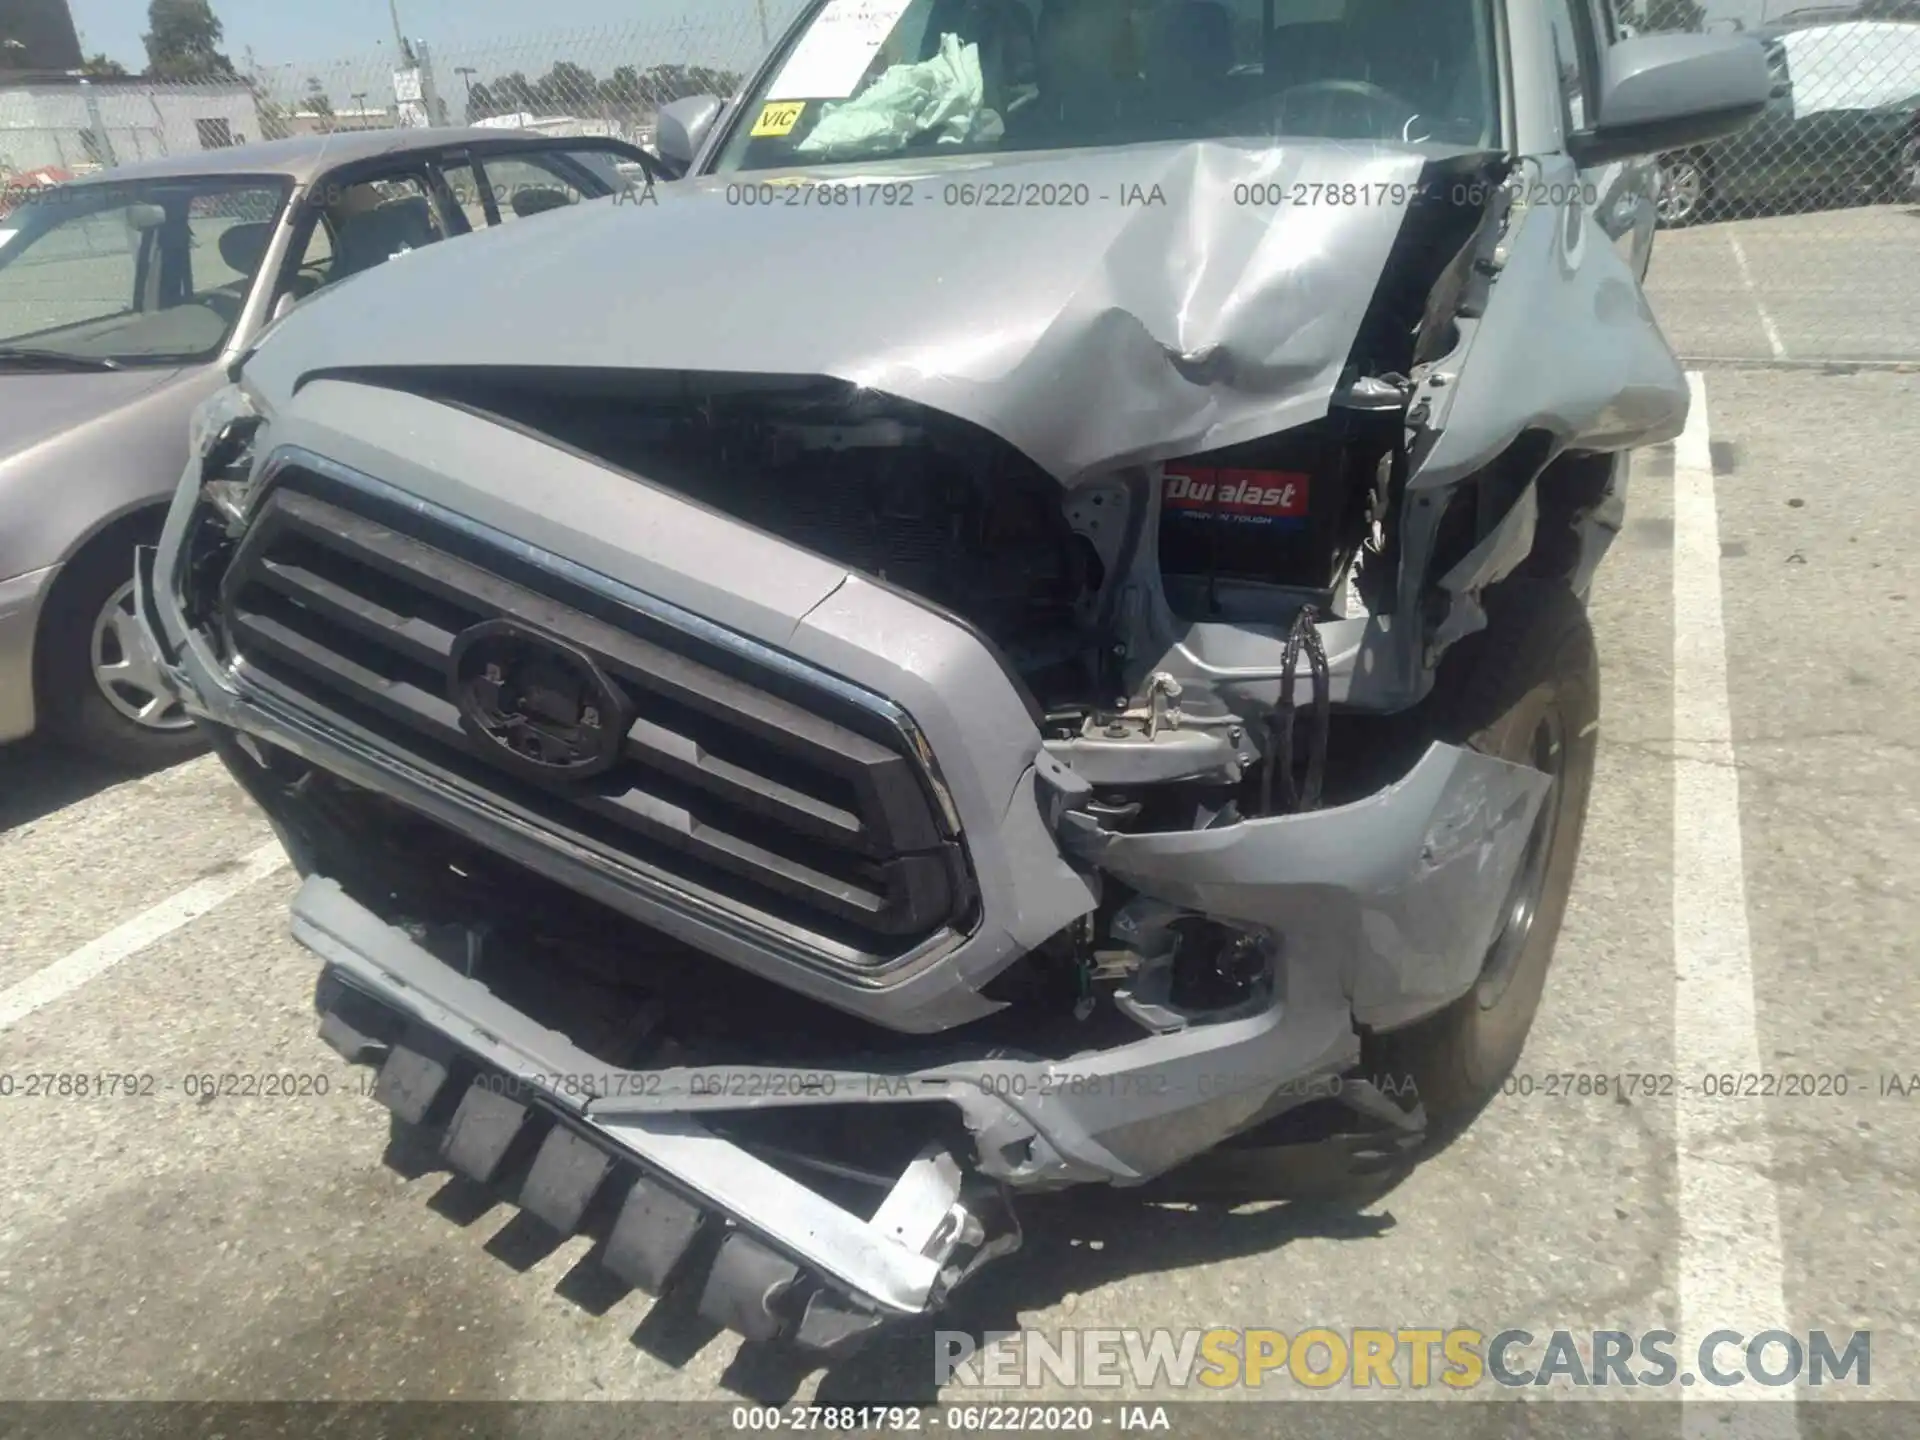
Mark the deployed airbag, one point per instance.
(942, 96)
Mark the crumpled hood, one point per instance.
(38, 406)
(1174, 311)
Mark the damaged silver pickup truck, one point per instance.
(1020, 623)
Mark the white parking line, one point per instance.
(95, 958)
(1753, 292)
(1730, 1259)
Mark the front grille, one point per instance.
(742, 779)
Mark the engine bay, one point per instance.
(935, 507)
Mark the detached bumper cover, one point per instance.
(443, 1028)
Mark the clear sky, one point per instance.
(309, 32)
(305, 31)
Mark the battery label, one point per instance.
(1275, 498)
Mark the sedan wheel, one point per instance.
(100, 691)
(1682, 192)
(125, 672)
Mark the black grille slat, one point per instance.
(420, 640)
(763, 718)
(356, 605)
(685, 759)
(658, 815)
(663, 819)
(399, 699)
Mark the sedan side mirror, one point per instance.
(683, 128)
(1666, 92)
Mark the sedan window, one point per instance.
(136, 271)
(365, 225)
(525, 185)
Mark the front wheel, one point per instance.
(1682, 189)
(1527, 690)
(100, 692)
(1906, 187)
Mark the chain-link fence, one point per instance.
(1793, 241)
(1796, 239)
(609, 81)
(591, 82)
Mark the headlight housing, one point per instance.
(221, 436)
(220, 416)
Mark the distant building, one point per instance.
(572, 127)
(557, 125)
(37, 35)
(60, 120)
(334, 122)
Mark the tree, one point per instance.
(317, 100)
(566, 87)
(480, 104)
(664, 84)
(515, 93)
(103, 67)
(182, 45)
(622, 90)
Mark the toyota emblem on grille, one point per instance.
(534, 704)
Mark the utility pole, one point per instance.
(400, 35)
(429, 89)
(101, 139)
(761, 6)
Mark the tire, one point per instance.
(89, 622)
(1526, 689)
(1684, 193)
(1535, 659)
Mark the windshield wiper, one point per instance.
(54, 359)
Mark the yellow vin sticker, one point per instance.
(779, 117)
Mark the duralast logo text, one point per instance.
(1264, 494)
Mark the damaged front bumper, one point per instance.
(452, 1054)
(792, 1261)
(1374, 913)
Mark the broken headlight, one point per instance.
(221, 435)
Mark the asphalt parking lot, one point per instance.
(1818, 285)
(1746, 903)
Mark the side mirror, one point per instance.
(683, 128)
(1666, 92)
(146, 217)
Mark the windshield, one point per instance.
(866, 79)
(140, 272)
(1829, 72)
